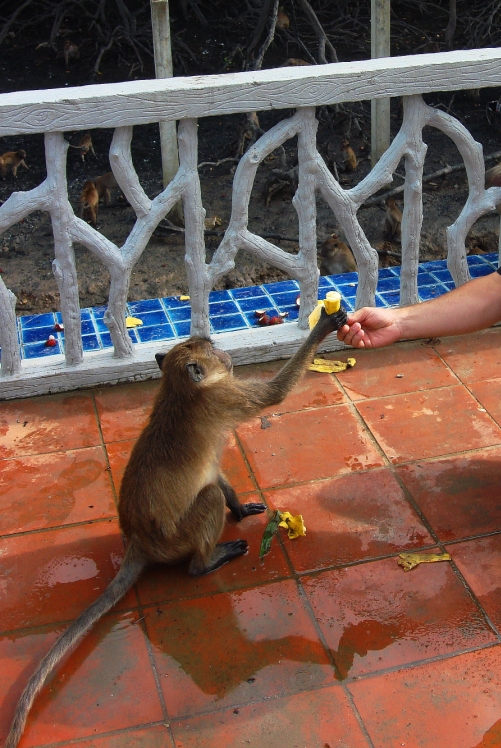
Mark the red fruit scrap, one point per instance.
(51, 341)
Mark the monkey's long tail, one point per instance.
(128, 574)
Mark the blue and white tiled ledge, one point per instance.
(233, 310)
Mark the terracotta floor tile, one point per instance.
(227, 649)
(163, 583)
(315, 390)
(375, 615)
(308, 445)
(52, 423)
(53, 575)
(429, 424)
(313, 719)
(375, 373)
(480, 563)
(488, 394)
(232, 463)
(459, 496)
(454, 703)
(54, 489)
(106, 684)
(124, 409)
(474, 357)
(348, 519)
(149, 737)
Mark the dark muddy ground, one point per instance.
(26, 250)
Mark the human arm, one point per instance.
(468, 308)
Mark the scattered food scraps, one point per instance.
(266, 320)
(269, 532)
(184, 298)
(58, 327)
(331, 367)
(211, 223)
(265, 423)
(409, 560)
(133, 322)
(51, 341)
(294, 525)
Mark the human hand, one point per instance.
(371, 327)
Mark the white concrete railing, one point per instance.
(122, 105)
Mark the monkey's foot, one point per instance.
(248, 509)
(223, 552)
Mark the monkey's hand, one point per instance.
(329, 323)
(247, 509)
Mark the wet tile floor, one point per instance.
(328, 642)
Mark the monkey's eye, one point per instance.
(195, 372)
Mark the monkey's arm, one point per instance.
(273, 392)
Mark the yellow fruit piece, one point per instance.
(327, 366)
(293, 524)
(332, 302)
(133, 322)
(409, 560)
(184, 298)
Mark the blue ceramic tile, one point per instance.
(246, 293)
(159, 332)
(132, 335)
(292, 311)
(173, 302)
(492, 257)
(324, 282)
(389, 284)
(90, 343)
(143, 307)
(223, 307)
(153, 318)
(181, 314)
(475, 260)
(282, 287)
(392, 298)
(256, 302)
(386, 273)
(380, 301)
(285, 299)
(425, 279)
(98, 311)
(37, 320)
(228, 322)
(349, 303)
(37, 334)
(442, 275)
(430, 292)
(449, 285)
(182, 329)
(39, 350)
(344, 279)
(106, 340)
(84, 314)
(476, 271)
(219, 296)
(100, 325)
(87, 327)
(433, 265)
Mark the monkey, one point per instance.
(104, 185)
(172, 499)
(350, 162)
(12, 160)
(248, 130)
(393, 221)
(70, 52)
(85, 145)
(282, 21)
(493, 179)
(336, 257)
(292, 62)
(89, 199)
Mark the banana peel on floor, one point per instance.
(328, 366)
(293, 524)
(409, 561)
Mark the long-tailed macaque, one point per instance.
(104, 185)
(12, 160)
(84, 146)
(70, 52)
(89, 200)
(172, 499)
(392, 221)
(336, 257)
(350, 162)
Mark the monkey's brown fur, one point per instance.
(336, 257)
(89, 200)
(84, 146)
(70, 52)
(12, 160)
(493, 179)
(350, 162)
(173, 493)
(104, 185)
(392, 221)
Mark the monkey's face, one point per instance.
(197, 359)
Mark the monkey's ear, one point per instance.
(159, 359)
(195, 371)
